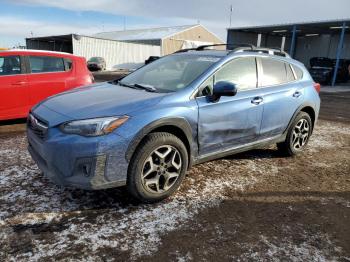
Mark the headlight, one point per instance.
(93, 127)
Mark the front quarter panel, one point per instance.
(183, 115)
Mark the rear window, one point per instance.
(10, 65)
(275, 72)
(96, 59)
(46, 64)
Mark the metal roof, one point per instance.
(144, 34)
(316, 27)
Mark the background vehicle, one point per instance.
(96, 64)
(147, 129)
(27, 77)
(322, 70)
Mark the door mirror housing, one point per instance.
(223, 88)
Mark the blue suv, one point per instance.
(145, 130)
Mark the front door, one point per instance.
(14, 99)
(231, 121)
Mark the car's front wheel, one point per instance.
(298, 135)
(157, 167)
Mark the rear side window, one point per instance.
(275, 72)
(46, 64)
(298, 72)
(10, 65)
(290, 75)
(240, 71)
(68, 64)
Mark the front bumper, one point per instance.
(80, 162)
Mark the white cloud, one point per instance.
(247, 12)
(213, 14)
(19, 27)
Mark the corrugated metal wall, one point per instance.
(306, 47)
(198, 33)
(117, 54)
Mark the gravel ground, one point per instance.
(255, 206)
(252, 206)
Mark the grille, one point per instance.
(38, 127)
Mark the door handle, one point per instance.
(297, 94)
(257, 100)
(20, 83)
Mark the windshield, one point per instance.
(96, 59)
(171, 73)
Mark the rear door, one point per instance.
(47, 77)
(282, 95)
(231, 121)
(14, 99)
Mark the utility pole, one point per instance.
(231, 11)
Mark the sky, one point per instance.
(25, 18)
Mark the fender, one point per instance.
(178, 122)
(305, 104)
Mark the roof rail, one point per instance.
(241, 48)
(270, 51)
(204, 47)
(185, 50)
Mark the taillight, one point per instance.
(317, 86)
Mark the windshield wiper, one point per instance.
(125, 84)
(148, 88)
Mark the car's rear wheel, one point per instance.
(157, 168)
(298, 135)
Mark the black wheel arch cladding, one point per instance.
(177, 126)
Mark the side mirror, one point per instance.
(223, 88)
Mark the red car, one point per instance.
(29, 76)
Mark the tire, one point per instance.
(157, 167)
(298, 135)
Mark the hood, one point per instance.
(101, 100)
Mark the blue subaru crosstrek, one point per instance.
(145, 130)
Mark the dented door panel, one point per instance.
(230, 122)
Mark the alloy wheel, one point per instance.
(161, 169)
(300, 134)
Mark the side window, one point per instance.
(298, 72)
(68, 64)
(10, 65)
(274, 72)
(240, 71)
(46, 64)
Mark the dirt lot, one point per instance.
(255, 206)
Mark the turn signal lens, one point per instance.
(115, 124)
